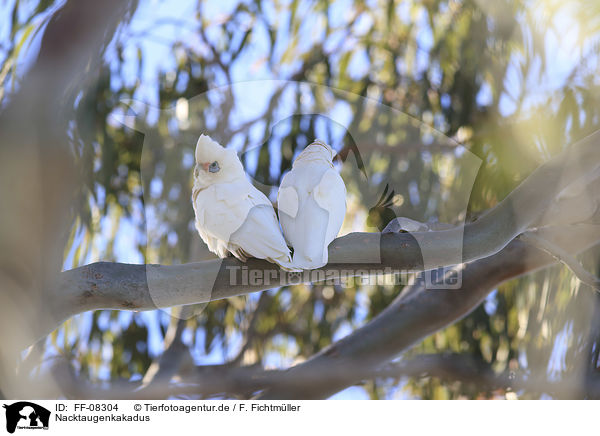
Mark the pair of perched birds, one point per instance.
(232, 216)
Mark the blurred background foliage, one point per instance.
(513, 81)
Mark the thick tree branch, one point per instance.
(419, 312)
(145, 287)
(415, 314)
(228, 380)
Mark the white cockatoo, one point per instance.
(312, 205)
(231, 214)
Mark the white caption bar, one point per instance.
(296, 417)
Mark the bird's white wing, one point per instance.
(260, 236)
(330, 194)
(288, 203)
(209, 240)
(287, 200)
(221, 210)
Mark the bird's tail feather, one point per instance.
(308, 263)
(286, 264)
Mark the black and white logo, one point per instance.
(26, 415)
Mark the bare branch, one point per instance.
(564, 257)
(415, 314)
(418, 312)
(122, 286)
(206, 381)
(467, 369)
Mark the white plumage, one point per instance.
(312, 205)
(232, 216)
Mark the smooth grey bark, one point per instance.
(418, 312)
(364, 354)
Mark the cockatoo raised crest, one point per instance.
(232, 216)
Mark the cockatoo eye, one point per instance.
(214, 167)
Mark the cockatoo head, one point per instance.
(318, 150)
(215, 164)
